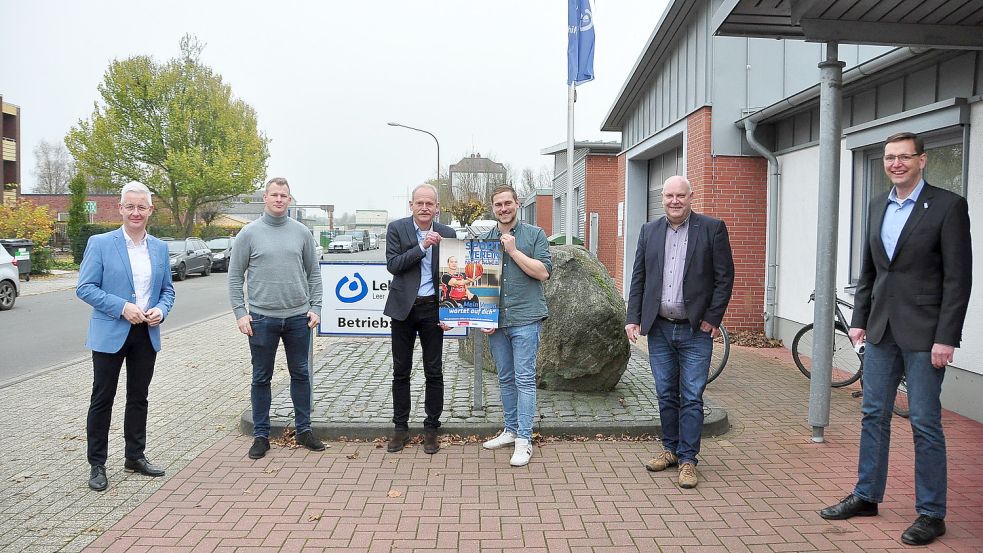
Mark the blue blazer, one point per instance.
(106, 283)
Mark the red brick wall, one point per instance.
(618, 272)
(544, 213)
(601, 197)
(107, 205)
(733, 189)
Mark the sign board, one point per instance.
(354, 296)
(470, 275)
(90, 207)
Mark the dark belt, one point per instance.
(423, 300)
(675, 321)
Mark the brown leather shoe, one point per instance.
(430, 445)
(400, 437)
(663, 461)
(687, 476)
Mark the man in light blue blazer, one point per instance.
(126, 277)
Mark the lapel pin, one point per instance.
(926, 205)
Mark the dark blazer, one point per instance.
(923, 293)
(708, 279)
(403, 256)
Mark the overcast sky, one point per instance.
(325, 77)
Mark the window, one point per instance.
(943, 169)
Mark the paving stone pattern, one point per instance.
(353, 398)
(762, 484)
(200, 386)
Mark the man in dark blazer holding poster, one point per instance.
(680, 287)
(911, 303)
(412, 251)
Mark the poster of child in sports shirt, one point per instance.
(469, 282)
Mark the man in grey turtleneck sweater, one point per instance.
(275, 255)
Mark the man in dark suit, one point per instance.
(680, 287)
(412, 249)
(126, 277)
(911, 302)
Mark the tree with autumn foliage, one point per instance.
(467, 211)
(175, 127)
(26, 220)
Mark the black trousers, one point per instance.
(422, 321)
(140, 356)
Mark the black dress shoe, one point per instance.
(398, 441)
(308, 440)
(851, 506)
(259, 448)
(143, 466)
(97, 478)
(924, 530)
(430, 445)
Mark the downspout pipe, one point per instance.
(771, 236)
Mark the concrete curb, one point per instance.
(715, 424)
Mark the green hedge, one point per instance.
(80, 241)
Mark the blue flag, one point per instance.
(580, 42)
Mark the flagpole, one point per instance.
(571, 215)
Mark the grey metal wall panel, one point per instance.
(814, 121)
(919, 88)
(800, 70)
(785, 138)
(764, 80)
(803, 128)
(692, 67)
(979, 74)
(846, 113)
(728, 96)
(864, 107)
(952, 76)
(890, 98)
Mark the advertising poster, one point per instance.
(354, 298)
(469, 282)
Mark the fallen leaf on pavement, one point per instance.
(394, 493)
(352, 455)
(313, 517)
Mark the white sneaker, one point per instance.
(523, 451)
(502, 440)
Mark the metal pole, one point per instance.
(479, 358)
(394, 124)
(571, 215)
(830, 132)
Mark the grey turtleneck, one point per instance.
(276, 258)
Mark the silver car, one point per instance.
(9, 280)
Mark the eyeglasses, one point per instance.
(130, 208)
(903, 158)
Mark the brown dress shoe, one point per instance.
(400, 437)
(687, 476)
(430, 445)
(663, 461)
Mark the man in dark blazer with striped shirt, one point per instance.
(412, 253)
(911, 303)
(681, 284)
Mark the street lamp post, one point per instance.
(392, 124)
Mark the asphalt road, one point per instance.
(44, 330)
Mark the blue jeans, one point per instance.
(296, 336)
(884, 364)
(680, 359)
(514, 349)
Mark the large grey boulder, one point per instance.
(583, 346)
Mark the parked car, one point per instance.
(361, 238)
(221, 250)
(9, 280)
(189, 255)
(373, 241)
(343, 243)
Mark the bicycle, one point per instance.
(721, 352)
(848, 364)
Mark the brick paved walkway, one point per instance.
(761, 486)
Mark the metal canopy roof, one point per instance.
(932, 23)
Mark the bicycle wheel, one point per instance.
(847, 365)
(901, 400)
(721, 352)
